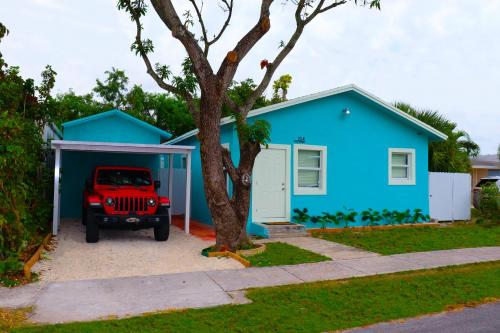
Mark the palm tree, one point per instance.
(451, 155)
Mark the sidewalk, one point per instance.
(94, 299)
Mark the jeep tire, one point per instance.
(92, 228)
(162, 230)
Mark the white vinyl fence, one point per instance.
(178, 198)
(449, 196)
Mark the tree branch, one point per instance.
(141, 50)
(230, 64)
(271, 67)
(168, 15)
(228, 164)
(207, 43)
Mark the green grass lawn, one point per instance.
(417, 239)
(322, 306)
(284, 254)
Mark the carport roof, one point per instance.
(118, 113)
(118, 147)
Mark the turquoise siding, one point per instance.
(111, 129)
(357, 155)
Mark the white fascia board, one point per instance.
(120, 147)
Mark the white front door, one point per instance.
(271, 185)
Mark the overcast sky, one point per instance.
(442, 55)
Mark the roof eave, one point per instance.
(119, 113)
(432, 133)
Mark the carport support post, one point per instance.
(187, 213)
(170, 183)
(55, 213)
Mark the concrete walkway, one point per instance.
(93, 299)
(329, 249)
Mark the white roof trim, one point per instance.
(322, 94)
(119, 147)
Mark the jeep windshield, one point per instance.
(122, 177)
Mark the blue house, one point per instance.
(334, 150)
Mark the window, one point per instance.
(401, 166)
(123, 177)
(309, 170)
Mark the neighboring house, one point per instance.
(334, 150)
(484, 166)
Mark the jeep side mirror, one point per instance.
(157, 184)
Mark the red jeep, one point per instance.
(124, 197)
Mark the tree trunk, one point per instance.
(229, 215)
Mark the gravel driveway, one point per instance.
(121, 253)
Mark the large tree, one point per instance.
(229, 213)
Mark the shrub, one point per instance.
(24, 180)
(301, 215)
(371, 217)
(489, 205)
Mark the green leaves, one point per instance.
(489, 205)
(144, 47)
(257, 132)
(136, 8)
(163, 71)
(451, 155)
(301, 215)
(114, 87)
(187, 82)
(370, 217)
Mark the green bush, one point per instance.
(489, 205)
(370, 217)
(24, 179)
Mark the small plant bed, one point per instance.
(284, 254)
(321, 306)
(16, 270)
(416, 239)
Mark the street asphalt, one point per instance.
(481, 319)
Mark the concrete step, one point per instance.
(285, 230)
(287, 235)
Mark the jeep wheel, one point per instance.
(92, 229)
(161, 232)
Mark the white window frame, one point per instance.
(322, 172)
(411, 180)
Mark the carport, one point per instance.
(121, 148)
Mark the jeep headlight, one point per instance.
(109, 201)
(151, 202)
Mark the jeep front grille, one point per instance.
(131, 204)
